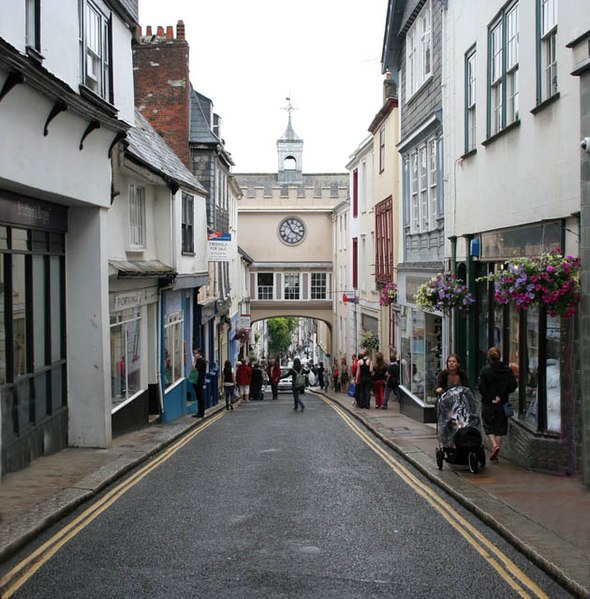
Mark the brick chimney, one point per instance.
(162, 85)
(389, 87)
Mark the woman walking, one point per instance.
(379, 375)
(364, 375)
(274, 374)
(452, 376)
(496, 382)
(298, 382)
(229, 384)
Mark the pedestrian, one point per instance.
(229, 384)
(344, 376)
(274, 374)
(200, 365)
(379, 375)
(256, 382)
(364, 380)
(298, 382)
(243, 379)
(496, 382)
(321, 374)
(392, 378)
(336, 376)
(452, 376)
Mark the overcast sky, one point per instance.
(247, 56)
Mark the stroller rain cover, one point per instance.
(456, 410)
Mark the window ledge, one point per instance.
(539, 107)
(192, 254)
(419, 89)
(99, 102)
(468, 154)
(35, 54)
(504, 131)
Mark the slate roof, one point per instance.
(151, 150)
(200, 130)
(130, 7)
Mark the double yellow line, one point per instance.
(18, 575)
(498, 560)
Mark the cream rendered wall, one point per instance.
(259, 236)
(532, 172)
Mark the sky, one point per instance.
(249, 56)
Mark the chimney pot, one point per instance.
(169, 33)
(160, 31)
(180, 30)
(148, 31)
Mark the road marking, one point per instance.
(18, 575)
(505, 567)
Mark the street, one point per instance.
(266, 502)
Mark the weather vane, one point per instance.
(289, 108)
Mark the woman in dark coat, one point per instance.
(496, 382)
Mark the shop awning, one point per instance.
(140, 268)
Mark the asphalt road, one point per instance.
(265, 502)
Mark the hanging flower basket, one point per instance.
(369, 341)
(548, 280)
(388, 294)
(443, 293)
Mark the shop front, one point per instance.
(538, 346)
(420, 346)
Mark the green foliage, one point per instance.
(280, 334)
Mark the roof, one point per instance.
(144, 143)
(141, 268)
(201, 110)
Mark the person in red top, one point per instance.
(243, 379)
(274, 374)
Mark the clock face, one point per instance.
(292, 230)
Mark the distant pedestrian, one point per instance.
(321, 375)
(229, 384)
(364, 380)
(298, 381)
(243, 379)
(336, 376)
(344, 376)
(274, 374)
(256, 382)
(200, 365)
(496, 382)
(379, 375)
(392, 378)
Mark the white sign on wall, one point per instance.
(219, 247)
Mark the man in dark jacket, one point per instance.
(200, 364)
(392, 378)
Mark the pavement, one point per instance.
(544, 516)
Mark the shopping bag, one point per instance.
(508, 409)
(351, 390)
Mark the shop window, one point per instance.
(125, 355)
(173, 344)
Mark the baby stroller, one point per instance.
(458, 428)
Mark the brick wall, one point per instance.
(162, 85)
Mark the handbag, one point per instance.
(508, 409)
(193, 377)
(351, 390)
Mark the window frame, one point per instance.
(421, 192)
(101, 53)
(470, 99)
(418, 59)
(384, 241)
(547, 81)
(503, 70)
(382, 149)
(264, 292)
(292, 286)
(137, 217)
(318, 285)
(33, 24)
(188, 223)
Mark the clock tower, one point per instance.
(290, 151)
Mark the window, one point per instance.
(355, 262)
(503, 44)
(419, 51)
(546, 48)
(265, 286)
(355, 193)
(319, 285)
(382, 149)
(136, 217)
(173, 344)
(95, 45)
(292, 286)
(188, 218)
(384, 242)
(422, 191)
(470, 111)
(32, 24)
(125, 355)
